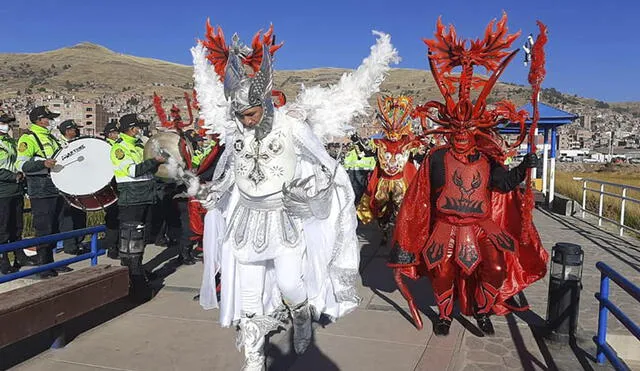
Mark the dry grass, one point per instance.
(611, 205)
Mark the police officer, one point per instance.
(136, 194)
(359, 164)
(11, 196)
(111, 220)
(199, 151)
(72, 218)
(35, 149)
(111, 132)
(69, 129)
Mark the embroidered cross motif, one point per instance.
(256, 175)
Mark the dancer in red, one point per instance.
(393, 172)
(463, 222)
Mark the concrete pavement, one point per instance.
(172, 332)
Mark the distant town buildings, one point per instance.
(92, 116)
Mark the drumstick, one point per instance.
(79, 159)
(58, 167)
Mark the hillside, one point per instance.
(92, 72)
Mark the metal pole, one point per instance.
(552, 167)
(624, 195)
(602, 318)
(601, 204)
(584, 198)
(94, 249)
(545, 160)
(534, 171)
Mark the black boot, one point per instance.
(441, 327)
(197, 254)
(112, 253)
(484, 324)
(186, 256)
(22, 260)
(45, 256)
(5, 265)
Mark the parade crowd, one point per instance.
(26, 166)
(275, 207)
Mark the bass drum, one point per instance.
(170, 144)
(83, 173)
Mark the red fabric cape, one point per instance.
(196, 211)
(414, 223)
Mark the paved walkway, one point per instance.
(172, 332)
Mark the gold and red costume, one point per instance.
(394, 170)
(464, 223)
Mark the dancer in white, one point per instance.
(281, 226)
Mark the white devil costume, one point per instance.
(281, 226)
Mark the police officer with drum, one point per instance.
(136, 194)
(35, 149)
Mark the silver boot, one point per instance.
(302, 330)
(251, 335)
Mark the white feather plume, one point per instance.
(214, 107)
(329, 110)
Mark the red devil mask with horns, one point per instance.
(470, 126)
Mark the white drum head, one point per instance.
(83, 167)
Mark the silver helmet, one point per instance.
(244, 90)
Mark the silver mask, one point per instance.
(244, 91)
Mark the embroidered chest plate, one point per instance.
(466, 188)
(262, 167)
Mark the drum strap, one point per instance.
(44, 154)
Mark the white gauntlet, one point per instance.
(300, 200)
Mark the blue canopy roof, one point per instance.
(550, 117)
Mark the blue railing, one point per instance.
(53, 238)
(604, 349)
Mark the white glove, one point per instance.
(210, 201)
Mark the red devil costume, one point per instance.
(463, 221)
(394, 170)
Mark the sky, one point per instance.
(593, 48)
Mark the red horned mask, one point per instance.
(470, 125)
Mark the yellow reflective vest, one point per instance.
(35, 146)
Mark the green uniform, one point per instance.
(133, 174)
(355, 161)
(201, 154)
(33, 148)
(351, 160)
(8, 156)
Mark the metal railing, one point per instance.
(601, 192)
(606, 306)
(54, 238)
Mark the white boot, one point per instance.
(251, 335)
(302, 330)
